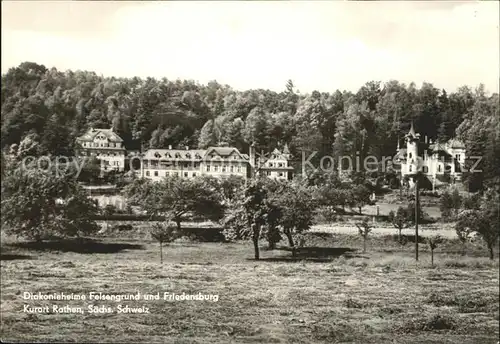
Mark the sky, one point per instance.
(325, 45)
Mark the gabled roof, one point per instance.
(455, 143)
(192, 154)
(175, 154)
(436, 147)
(108, 133)
(277, 155)
(222, 151)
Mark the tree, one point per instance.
(41, 204)
(175, 197)
(164, 233)
(251, 214)
(463, 233)
(297, 207)
(399, 220)
(361, 196)
(433, 244)
(364, 229)
(91, 170)
(410, 210)
(485, 221)
(446, 205)
(207, 136)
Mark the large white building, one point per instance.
(105, 145)
(431, 159)
(218, 162)
(188, 163)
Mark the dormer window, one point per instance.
(188, 155)
(177, 155)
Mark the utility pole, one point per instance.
(416, 216)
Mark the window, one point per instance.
(208, 168)
(439, 168)
(281, 174)
(147, 173)
(156, 173)
(239, 168)
(232, 169)
(280, 164)
(194, 174)
(270, 164)
(410, 168)
(167, 174)
(216, 168)
(457, 156)
(224, 168)
(425, 169)
(235, 157)
(409, 155)
(185, 174)
(268, 173)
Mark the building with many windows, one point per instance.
(187, 163)
(434, 160)
(105, 145)
(155, 164)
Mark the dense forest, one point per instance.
(44, 110)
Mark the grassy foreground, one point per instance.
(344, 296)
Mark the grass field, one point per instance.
(332, 293)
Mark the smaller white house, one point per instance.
(276, 166)
(105, 145)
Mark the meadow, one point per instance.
(330, 292)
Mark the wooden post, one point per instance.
(416, 216)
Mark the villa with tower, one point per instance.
(438, 161)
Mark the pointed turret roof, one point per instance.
(411, 133)
(412, 130)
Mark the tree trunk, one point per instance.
(360, 210)
(432, 257)
(256, 247)
(490, 248)
(255, 239)
(178, 223)
(364, 244)
(464, 247)
(161, 253)
(289, 236)
(399, 235)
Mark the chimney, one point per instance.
(425, 138)
(169, 146)
(187, 147)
